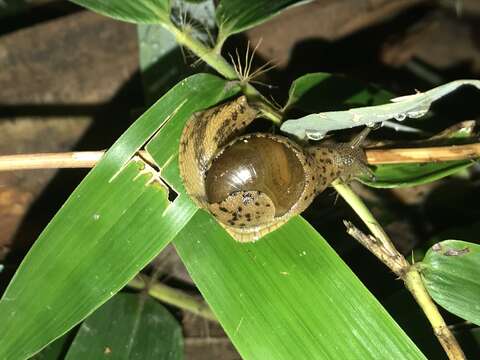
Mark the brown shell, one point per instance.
(204, 134)
(277, 184)
(252, 183)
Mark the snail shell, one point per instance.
(254, 183)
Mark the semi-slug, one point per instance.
(254, 183)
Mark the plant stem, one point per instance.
(215, 60)
(414, 284)
(173, 297)
(425, 154)
(88, 159)
(78, 159)
(381, 245)
(212, 58)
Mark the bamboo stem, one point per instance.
(214, 59)
(173, 297)
(78, 159)
(88, 159)
(381, 246)
(424, 154)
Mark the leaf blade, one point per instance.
(139, 11)
(450, 271)
(234, 16)
(404, 175)
(112, 225)
(288, 295)
(129, 326)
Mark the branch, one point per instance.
(173, 297)
(422, 155)
(88, 159)
(381, 246)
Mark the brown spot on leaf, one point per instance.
(457, 252)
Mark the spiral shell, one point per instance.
(253, 183)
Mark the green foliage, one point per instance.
(138, 11)
(404, 175)
(130, 327)
(112, 225)
(451, 271)
(287, 296)
(317, 92)
(234, 16)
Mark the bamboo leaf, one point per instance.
(316, 126)
(319, 92)
(55, 350)
(405, 175)
(264, 291)
(234, 16)
(112, 225)
(129, 326)
(163, 62)
(451, 273)
(138, 11)
(316, 92)
(288, 296)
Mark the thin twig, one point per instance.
(395, 261)
(88, 159)
(78, 159)
(173, 297)
(381, 246)
(424, 154)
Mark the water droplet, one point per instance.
(400, 117)
(96, 216)
(314, 134)
(417, 114)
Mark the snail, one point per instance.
(254, 183)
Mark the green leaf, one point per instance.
(329, 94)
(138, 11)
(316, 126)
(265, 291)
(55, 350)
(112, 225)
(159, 51)
(318, 92)
(404, 175)
(234, 16)
(163, 62)
(451, 274)
(129, 326)
(288, 296)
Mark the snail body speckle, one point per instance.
(254, 183)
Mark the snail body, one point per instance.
(256, 182)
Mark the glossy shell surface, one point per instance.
(257, 163)
(252, 183)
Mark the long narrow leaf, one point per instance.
(234, 16)
(130, 327)
(114, 223)
(290, 282)
(288, 296)
(138, 11)
(405, 175)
